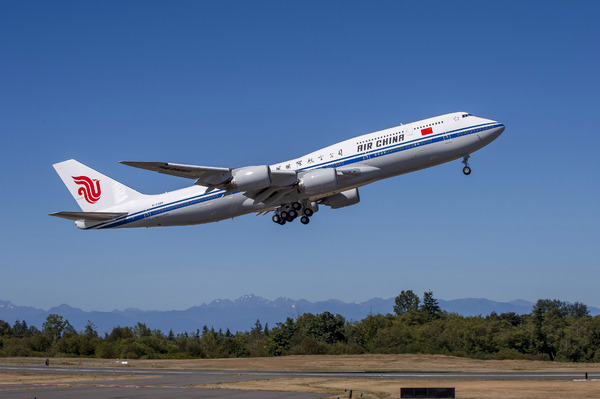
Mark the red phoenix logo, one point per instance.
(90, 192)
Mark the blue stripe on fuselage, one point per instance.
(403, 146)
(157, 210)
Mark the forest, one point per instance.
(553, 331)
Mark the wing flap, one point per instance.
(96, 216)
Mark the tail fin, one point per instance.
(92, 190)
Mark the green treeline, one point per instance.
(554, 330)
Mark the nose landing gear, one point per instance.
(467, 168)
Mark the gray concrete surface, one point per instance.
(141, 383)
(172, 383)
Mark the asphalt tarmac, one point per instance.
(178, 383)
(142, 383)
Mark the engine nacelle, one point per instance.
(319, 181)
(251, 177)
(345, 198)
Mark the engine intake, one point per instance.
(251, 177)
(345, 198)
(319, 181)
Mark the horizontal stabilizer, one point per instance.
(99, 216)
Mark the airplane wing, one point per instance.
(350, 171)
(98, 216)
(272, 191)
(210, 176)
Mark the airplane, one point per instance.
(330, 176)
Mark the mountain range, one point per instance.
(241, 314)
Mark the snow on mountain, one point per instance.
(241, 314)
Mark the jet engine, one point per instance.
(345, 198)
(251, 177)
(319, 181)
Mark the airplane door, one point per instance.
(447, 138)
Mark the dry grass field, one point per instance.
(375, 387)
(382, 388)
(410, 363)
(12, 378)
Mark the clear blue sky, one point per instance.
(231, 84)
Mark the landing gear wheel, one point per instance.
(284, 215)
(293, 214)
(289, 218)
(466, 169)
(296, 206)
(276, 218)
(281, 222)
(304, 220)
(308, 212)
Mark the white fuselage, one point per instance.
(374, 156)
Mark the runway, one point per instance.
(168, 383)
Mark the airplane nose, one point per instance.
(496, 131)
(490, 134)
(500, 129)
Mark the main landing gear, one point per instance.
(289, 212)
(467, 168)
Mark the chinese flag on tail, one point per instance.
(424, 132)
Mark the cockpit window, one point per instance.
(465, 115)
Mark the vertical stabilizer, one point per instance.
(92, 190)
